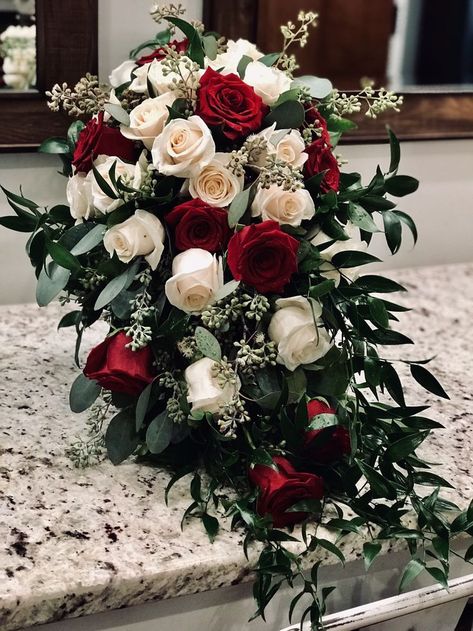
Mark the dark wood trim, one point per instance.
(425, 115)
(67, 48)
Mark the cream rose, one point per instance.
(289, 148)
(197, 277)
(122, 73)
(159, 80)
(204, 391)
(228, 61)
(285, 207)
(79, 196)
(353, 243)
(147, 120)
(140, 235)
(215, 184)
(268, 83)
(103, 164)
(184, 147)
(299, 332)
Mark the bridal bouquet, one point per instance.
(210, 226)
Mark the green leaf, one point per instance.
(321, 421)
(70, 319)
(393, 230)
(118, 113)
(393, 384)
(378, 284)
(353, 258)
(211, 526)
(261, 457)
(73, 133)
(83, 394)
(210, 46)
(142, 406)
(313, 507)
(159, 433)
(195, 50)
(289, 95)
(395, 151)
(401, 185)
(115, 286)
(55, 145)
(19, 199)
(343, 525)
(370, 552)
(186, 470)
(378, 312)
(121, 438)
(228, 289)
(297, 384)
(49, 286)
(372, 368)
(469, 554)
(287, 115)
(323, 288)
(409, 222)
(239, 206)
(427, 380)
(438, 575)
(411, 572)
(389, 338)
(332, 548)
(377, 482)
(90, 241)
(243, 65)
(208, 344)
(361, 218)
(405, 446)
(19, 224)
(103, 184)
(318, 86)
(62, 256)
(61, 214)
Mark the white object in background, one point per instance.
(397, 607)
(18, 48)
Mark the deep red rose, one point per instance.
(118, 368)
(263, 256)
(198, 225)
(321, 159)
(159, 53)
(279, 490)
(226, 101)
(314, 117)
(97, 139)
(329, 449)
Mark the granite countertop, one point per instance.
(76, 542)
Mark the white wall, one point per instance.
(442, 207)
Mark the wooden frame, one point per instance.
(426, 114)
(67, 48)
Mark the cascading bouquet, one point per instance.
(210, 226)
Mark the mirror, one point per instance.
(420, 48)
(17, 45)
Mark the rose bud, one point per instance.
(160, 53)
(98, 139)
(314, 117)
(321, 159)
(325, 449)
(119, 369)
(281, 489)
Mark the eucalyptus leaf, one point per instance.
(159, 433)
(90, 241)
(208, 344)
(115, 286)
(118, 113)
(121, 438)
(239, 206)
(50, 285)
(319, 87)
(83, 394)
(287, 115)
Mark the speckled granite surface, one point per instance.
(74, 543)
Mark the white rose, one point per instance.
(228, 61)
(103, 164)
(285, 207)
(289, 148)
(79, 196)
(299, 333)
(147, 120)
(353, 243)
(197, 277)
(215, 184)
(184, 147)
(268, 83)
(204, 391)
(122, 73)
(159, 80)
(140, 235)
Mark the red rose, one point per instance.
(97, 139)
(321, 159)
(226, 101)
(159, 53)
(279, 490)
(333, 446)
(118, 368)
(198, 225)
(314, 117)
(263, 256)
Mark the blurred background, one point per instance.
(423, 48)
